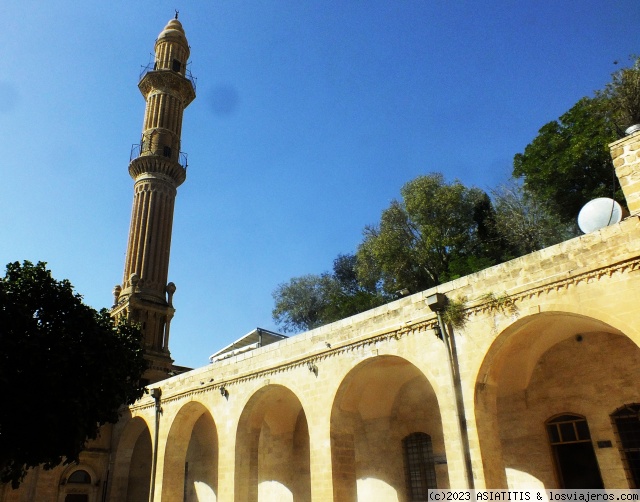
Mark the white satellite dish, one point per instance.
(600, 213)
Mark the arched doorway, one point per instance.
(78, 484)
(541, 367)
(272, 448)
(191, 456)
(386, 434)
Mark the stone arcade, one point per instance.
(368, 408)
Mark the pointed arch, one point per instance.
(272, 448)
(380, 402)
(191, 456)
(538, 367)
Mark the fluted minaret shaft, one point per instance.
(158, 167)
(150, 235)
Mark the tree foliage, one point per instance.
(310, 301)
(300, 302)
(437, 232)
(65, 369)
(623, 95)
(568, 163)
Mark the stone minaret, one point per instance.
(158, 168)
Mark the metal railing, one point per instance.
(137, 150)
(152, 67)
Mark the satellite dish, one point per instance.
(600, 213)
(630, 130)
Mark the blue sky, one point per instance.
(309, 117)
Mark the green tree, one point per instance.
(65, 369)
(623, 94)
(350, 295)
(310, 301)
(568, 162)
(300, 303)
(437, 232)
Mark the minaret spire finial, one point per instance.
(177, 12)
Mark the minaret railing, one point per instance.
(152, 67)
(137, 150)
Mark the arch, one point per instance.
(538, 367)
(272, 448)
(79, 476)
(78, 483)
(74, 468)
(191, 456)
(379, 402)
(132, 464)
(523, 351)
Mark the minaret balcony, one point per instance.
(184, 74)
(142, 150)
(154, 67)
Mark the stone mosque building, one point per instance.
(538, 389)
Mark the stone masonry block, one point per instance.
(618, 162)
(623, 170)
(616, 152)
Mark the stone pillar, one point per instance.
(626, 159)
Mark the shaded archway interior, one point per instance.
(541, 367)
(272, 448)
(191, 456)
(379, 404)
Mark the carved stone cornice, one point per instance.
(162, 167)
(170, 82)
(519, 295)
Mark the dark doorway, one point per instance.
(573, 452)
(627, 420)
(76, 497)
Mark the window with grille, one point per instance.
(419, 465)
(627, 421)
